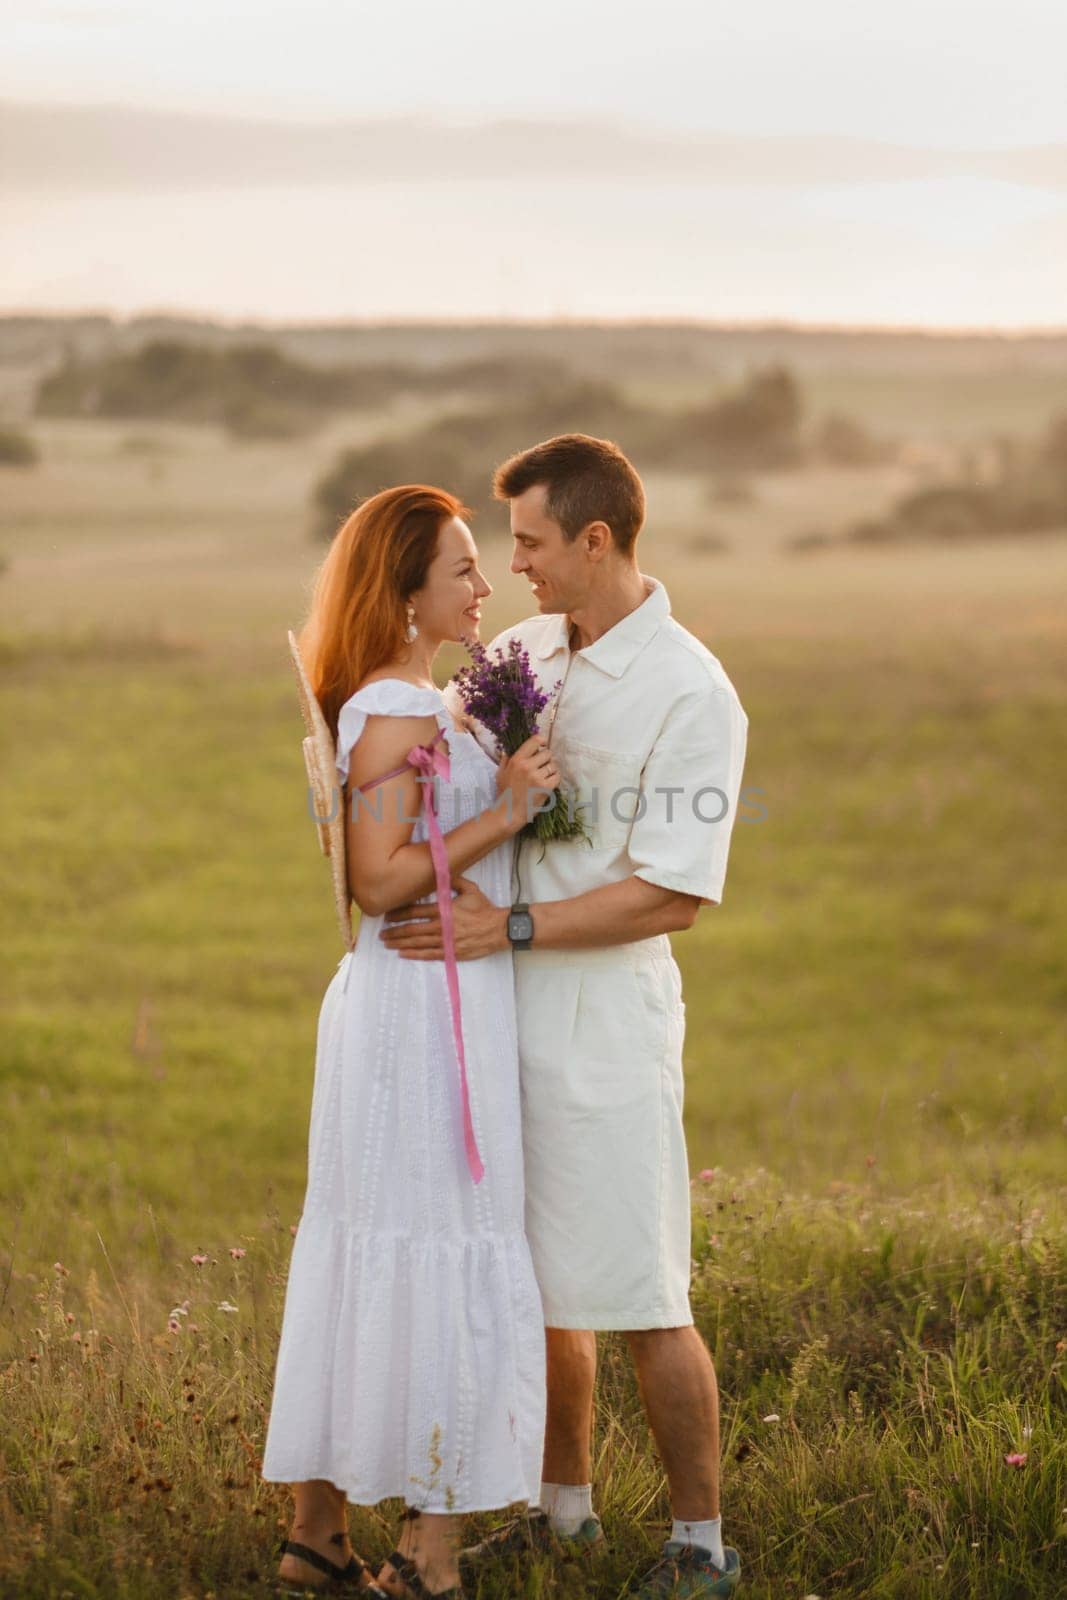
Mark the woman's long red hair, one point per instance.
(358, 615)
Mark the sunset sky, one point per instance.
(919, 173)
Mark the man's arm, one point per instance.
(691, 786)
(616, 913)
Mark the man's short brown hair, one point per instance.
(585, 480)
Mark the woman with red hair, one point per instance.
(411, 1358)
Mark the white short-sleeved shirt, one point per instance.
(651, 733)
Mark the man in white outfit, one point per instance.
(650, 731)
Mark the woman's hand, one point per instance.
(527, 776)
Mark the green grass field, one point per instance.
(875, 1040)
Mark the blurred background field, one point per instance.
(870, 531)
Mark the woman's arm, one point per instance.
(385, 869)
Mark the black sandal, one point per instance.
(340, 1580)
(411, 1578)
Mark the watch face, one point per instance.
(520, 926)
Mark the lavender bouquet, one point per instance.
(502, 693)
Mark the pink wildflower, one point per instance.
(198, 1260)
(1016, 1460)
(236, 1252)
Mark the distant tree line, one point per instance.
(496, 404)
(1027, 495)
(755, 426)
(253, 390)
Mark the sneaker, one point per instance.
(686, 1570)
(531, 1534)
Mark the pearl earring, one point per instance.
(413, 632)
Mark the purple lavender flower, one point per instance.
(502, 693)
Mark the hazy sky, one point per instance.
(921, 71)
(267, 223)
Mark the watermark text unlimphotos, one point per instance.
(669, 803)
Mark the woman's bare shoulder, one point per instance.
(385, 742)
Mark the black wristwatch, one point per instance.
(520, 926)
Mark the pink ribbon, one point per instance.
(430, 763)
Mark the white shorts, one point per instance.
(606, 1171)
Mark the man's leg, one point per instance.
(681, 1398)
(566, 1476)
(570, 1379)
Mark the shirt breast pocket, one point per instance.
(608, 785)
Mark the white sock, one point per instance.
(567, 1504)
(708, 1535)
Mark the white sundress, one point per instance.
(411, 1361)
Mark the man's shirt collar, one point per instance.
(614, 650)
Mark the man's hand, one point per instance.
(481, 928)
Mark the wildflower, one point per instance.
(706, 1175)
(236, 1252)
(173, 1325)
(292, 1227)
(181, 1311)
(76, 1336)
(772, 1416)
(1016, 1460)
(57, 1266)
(224, 1305)
(198, 1260)
(502, 692)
